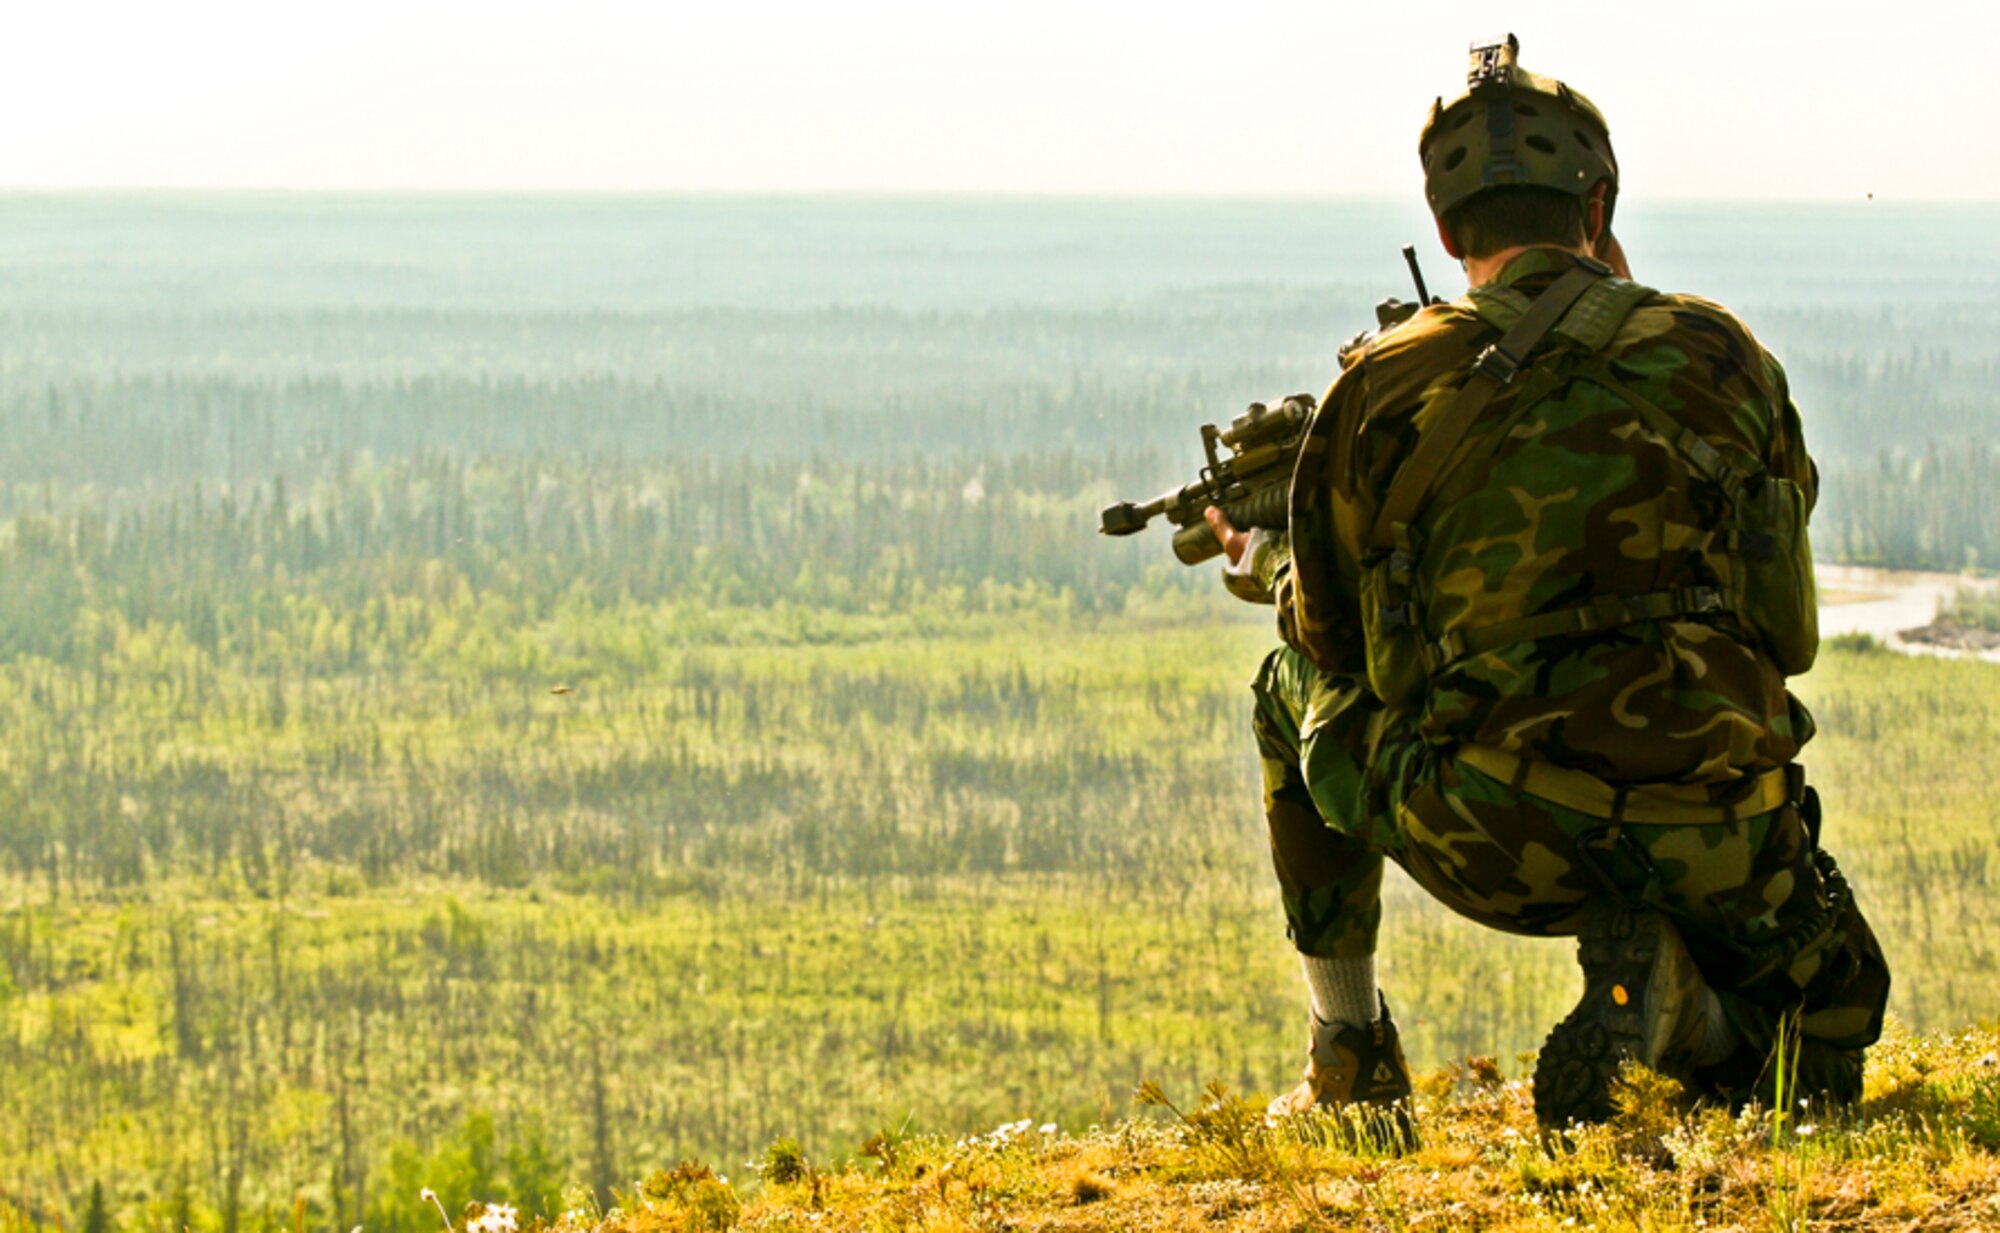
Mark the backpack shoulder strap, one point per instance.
(1498, 306)
(1599, 311)
(1495, 367)
(1591, 323)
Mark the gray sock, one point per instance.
(1343, 990)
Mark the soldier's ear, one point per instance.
(1594, 214)
(1444, 238)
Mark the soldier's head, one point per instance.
(1517, 160)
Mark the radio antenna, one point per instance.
(1417, 272)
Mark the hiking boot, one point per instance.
(1353, 1066)
(1643, 1001)
(1826, 1078)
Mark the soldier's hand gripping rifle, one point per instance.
(1252, 483)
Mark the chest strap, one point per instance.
(1604, 612)
(1656, 804)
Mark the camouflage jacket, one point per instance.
(1266, 563)
(1571, 500)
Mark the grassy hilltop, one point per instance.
(1923, 1154)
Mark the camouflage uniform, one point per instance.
(1540, 774)
(1330, 880)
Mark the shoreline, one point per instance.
(1899, 609)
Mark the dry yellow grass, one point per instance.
(1919, 1155)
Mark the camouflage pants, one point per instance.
(1764, 910)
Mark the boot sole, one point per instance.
(1620, 952)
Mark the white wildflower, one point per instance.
(497, 1218)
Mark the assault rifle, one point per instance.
(1251, 483)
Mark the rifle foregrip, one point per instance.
(1269, 508)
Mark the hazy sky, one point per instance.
(1834, 99)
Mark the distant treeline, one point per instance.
(381, 550)
(146, 433)
(842, 385)
(385, 550)
(1937, 510)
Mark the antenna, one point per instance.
(1417, 272)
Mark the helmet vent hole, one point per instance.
(1464, 118)
(1584, 142)
(1535, 141)
(1453, 159)
(1522, 109)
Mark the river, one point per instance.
(1886, 602)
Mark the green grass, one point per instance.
(916, 880)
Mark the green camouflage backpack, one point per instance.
(1759, 554)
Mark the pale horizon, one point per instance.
(1778, 103)
(864, 193)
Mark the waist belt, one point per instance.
(1658, 804)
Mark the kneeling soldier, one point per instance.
(1546, 576)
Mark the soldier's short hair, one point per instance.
(1502, 218)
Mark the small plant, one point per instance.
(1789, 1200)
(1230, 1126)
(693, 1188)
(885, 1145)
(1241, 1135)
(1380, 1191)
(784, 1163)
(1086, 1187)
(1647, 1105)
(427, 1195)
(1982, 1121)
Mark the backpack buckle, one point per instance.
(1704, 601)
(1496, 365)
